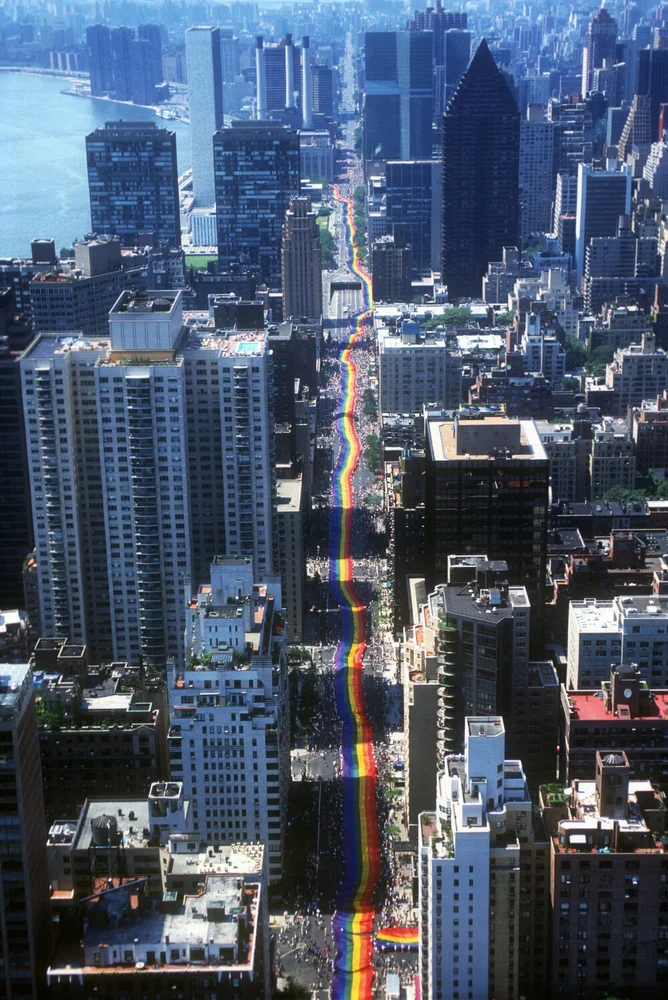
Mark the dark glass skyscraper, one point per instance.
(98, 38)
(256, 167)
(133, 182)
(121, 39)
(398, 96)
(481, 138)
(413, 200)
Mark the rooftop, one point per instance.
(589, 706)
(129, 821)
(483, 438)
(232, 859)
(50, 345)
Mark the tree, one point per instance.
(598, 359)
(327, 245)
(662, 490)
(576, 354)
(294, 990)
(372, 453)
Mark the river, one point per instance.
(43, 179)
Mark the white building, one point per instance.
(205, 101)
(60, 415)
(624, 630)
(229, 715)
(638, 372)
(656, 170)
(416, 368)
(117, 429)
(141, 409)
(469, 857)
(543, 353)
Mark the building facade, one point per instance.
(301, 261)
(481, 141)
(256, 172)
(205, 99)
(133, 183)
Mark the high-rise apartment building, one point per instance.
(256, 174)
(229, 735)
(603, 195)
(608, 871)
(133, 183)
(121, 39)
(413, 200)
(152, 33)
(487, 491)
(25, 911)
(476, 908)
(599, 48)
(16, 538)
(205, 98)
(141, 409)
(98, 38)
(535, 172)
(398, 95)
(60, 415)
(481, 140)
(117, 428)
(301, 261)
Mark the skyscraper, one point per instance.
(133, 182)
(477, 890)
(114, 448)
(256, 173)
(16, 523)
(301, 261)
(323, 90)
(151, 33)
(603, 195)
(456, 56)
(600, 46)
(25, 911)
(142, 78)
(481, 139)
(413, 199)
(536, 154)
(487, 491)
(205, 96)
(398, 96)
(653, 81)
(98, 38)
(120, 62)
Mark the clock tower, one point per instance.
(625, 688)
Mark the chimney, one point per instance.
(261, 102)
(307, 96)
(289, 73)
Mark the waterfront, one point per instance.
(43, 158)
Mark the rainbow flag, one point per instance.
(398, 937)
(353, 920)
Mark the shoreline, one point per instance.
(155, 108)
